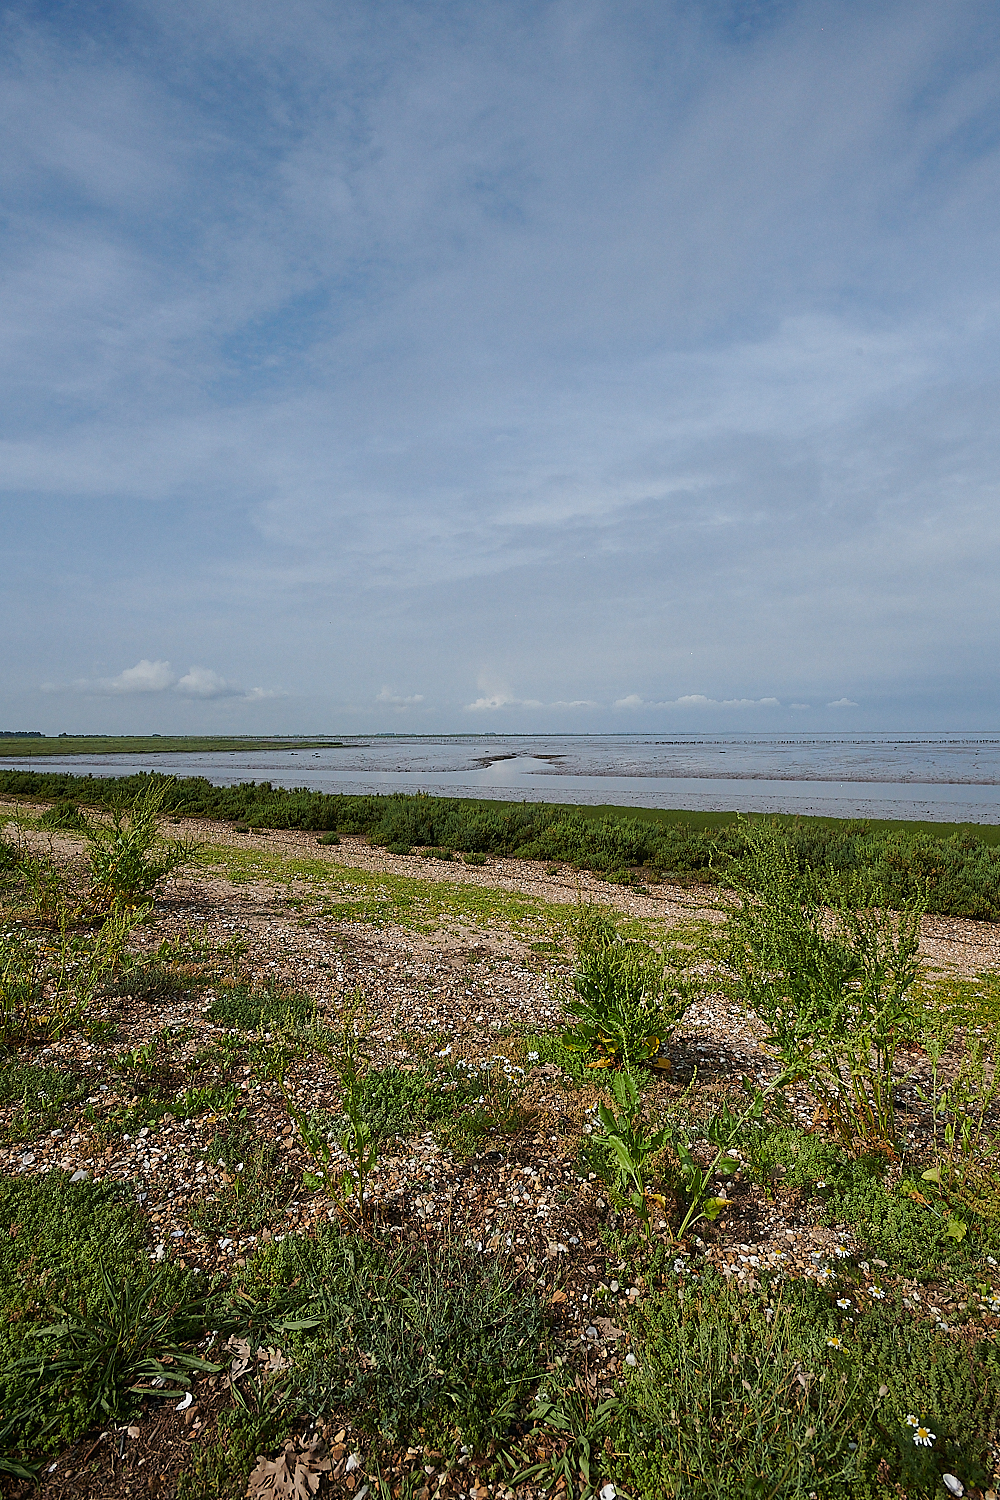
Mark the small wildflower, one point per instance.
(840, 1251)
(835, 1342)
(876, 1292)
(923, 1437)
(912, 1421)
(532, 1056)
(844, 1302)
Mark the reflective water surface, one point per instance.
(942, 777)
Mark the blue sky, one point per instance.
(506, 367)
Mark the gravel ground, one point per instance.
(465, 994)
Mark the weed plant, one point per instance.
(257, 1186)
(129, 859)
(64, 815)
(629, 995)
(258, 1422)
(830, 982)
(49, 988)
(112, 1350)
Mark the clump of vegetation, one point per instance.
(782, 1396)
(129, 859)
(83, 1312)
(957, 874)
(249, 1007)
(629, 995)
(453, 1345)
(831, 980)
(38, 1095)
(65, 814)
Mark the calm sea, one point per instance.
(940, 777)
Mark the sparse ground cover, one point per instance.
(325, 1172)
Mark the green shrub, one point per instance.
(128, 857)
(64, 815)
(833, 992)
(958, 875)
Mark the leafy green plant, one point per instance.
(356, 1136)
(573, 1431)
(61, 1239)
(114, 1349)
(129, 859)
(633, 1148)
(959, 1107)
(629, 997)
(830, 982)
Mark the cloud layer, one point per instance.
(632, 362)
(159, 677)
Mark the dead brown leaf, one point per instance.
(290, 1476)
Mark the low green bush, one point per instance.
(958, 874)
(65, 815)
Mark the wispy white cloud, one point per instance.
(842, 703)
(699, 700)
(397, 700)
(159, 677)
(490, 702)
